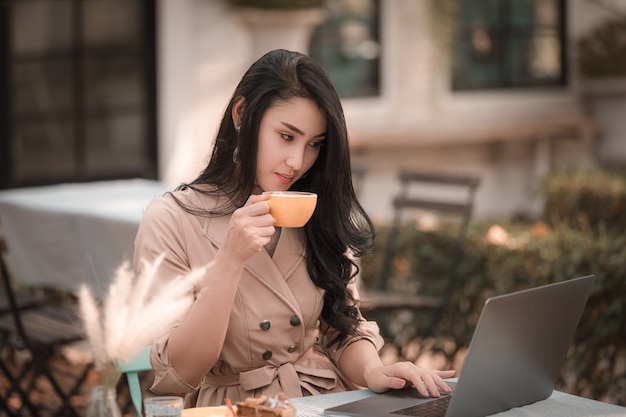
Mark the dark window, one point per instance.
(509, 44)
(80, 88)
(348, 47)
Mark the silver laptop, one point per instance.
(515, 357)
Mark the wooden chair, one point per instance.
(131, 369)
(23, 299)
(37, 333)
(445, 195)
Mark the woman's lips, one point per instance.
(284, 178)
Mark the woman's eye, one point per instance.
(286, 136)
(317, 144)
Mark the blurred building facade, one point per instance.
(511, 129)
(491, 87)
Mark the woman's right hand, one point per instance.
(193, 355)
(251, 227)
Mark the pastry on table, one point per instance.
(266, 406)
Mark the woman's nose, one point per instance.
(295, 158)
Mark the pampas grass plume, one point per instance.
(135, 311)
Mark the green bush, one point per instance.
(594, 200)
(576, 244)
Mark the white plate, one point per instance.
(220, 411)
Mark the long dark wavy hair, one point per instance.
(339, 225)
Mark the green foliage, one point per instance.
(587, 200)
(602, 53)
(578, 243)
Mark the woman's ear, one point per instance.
(237, 111)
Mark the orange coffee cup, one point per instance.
(291, 208)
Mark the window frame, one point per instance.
(506, 33)
(323, 47)
(77, 57)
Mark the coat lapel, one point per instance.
(273, 273)
(289, 251)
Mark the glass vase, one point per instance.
(103, 402)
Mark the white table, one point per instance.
(63, 235)
(558, 404)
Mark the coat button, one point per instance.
(267, 355)
(294, 321)
(265, 325)
(292, 348)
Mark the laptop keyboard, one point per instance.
(434, 408)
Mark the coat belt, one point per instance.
(292, 378)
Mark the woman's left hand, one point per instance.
(429, 383)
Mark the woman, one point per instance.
(276, 310)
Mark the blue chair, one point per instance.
(141, 362)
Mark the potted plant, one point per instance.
(286, 24)
(279, 4)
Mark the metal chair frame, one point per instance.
(378, 298)
(131, 369)
(40, 329)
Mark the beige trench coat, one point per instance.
(273, 342)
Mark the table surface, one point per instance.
(123, 200)
(67, 234)
(559, 404)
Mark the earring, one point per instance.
(238, 128)
(236, 155)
